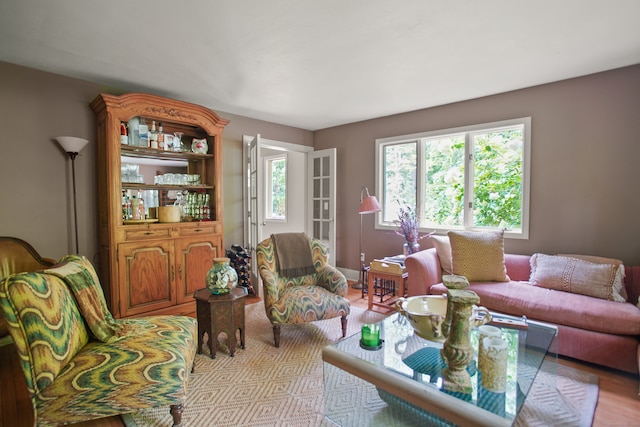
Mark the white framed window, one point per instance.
(467, 178)
(276, 194)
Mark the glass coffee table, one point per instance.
(401, 384)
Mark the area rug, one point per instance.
(267, 386)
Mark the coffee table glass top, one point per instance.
(374, 387)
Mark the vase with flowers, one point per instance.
(409, 228)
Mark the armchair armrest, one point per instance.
(272, 285)
(332, 280)
(424, 271)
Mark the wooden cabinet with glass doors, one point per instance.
(148, 266)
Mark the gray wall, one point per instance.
(585, 149)
(584, 170)
(35, 173)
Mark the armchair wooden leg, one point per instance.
(343, 320)
(276, 334)
(176, 414)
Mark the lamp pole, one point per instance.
(368, 204)
(72, 146)
(73, 155)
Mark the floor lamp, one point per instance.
(368, 205)
(72, 146)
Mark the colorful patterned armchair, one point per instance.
(79, 362)
(307, 298)
(17, 256)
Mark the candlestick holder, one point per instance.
(457, 351)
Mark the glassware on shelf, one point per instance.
(181, 201)
(134, 135)
(177, 141)
(198, 206)
(177, 179)
(193, 179)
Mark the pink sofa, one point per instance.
(589, 329)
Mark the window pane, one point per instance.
(444, 181)
(325, 188)
(277, 186)
(325, 166)
(470, 177)
(497, 197)
(399, 184)
(325, 231)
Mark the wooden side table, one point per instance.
(397, 276)
(220, 313)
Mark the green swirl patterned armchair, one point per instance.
(17, 256)
(79, 363)
(306, 298)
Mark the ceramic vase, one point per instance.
(221, 278)
(199, 145)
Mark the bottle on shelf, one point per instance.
(206, 214)
(141, 207)
(134, 130)
(153, 135)
(124, 138)
(126, 206)
(160, 137)
(135, 213)
(143, 133)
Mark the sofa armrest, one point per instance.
(424, 270)
(518, 267)
(632, 285)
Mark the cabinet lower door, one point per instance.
(194, 259)
(146, 277)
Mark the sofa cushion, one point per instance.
(578, 276)
(479, 256)
(443, 249)
(558, 307)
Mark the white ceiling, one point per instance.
(320, 63)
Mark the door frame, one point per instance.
(273, 145)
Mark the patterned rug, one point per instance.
(267, 386)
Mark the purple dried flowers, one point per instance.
(408, 224)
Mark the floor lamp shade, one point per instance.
(72, 145)
(368, 204)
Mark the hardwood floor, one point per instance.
(618, 401)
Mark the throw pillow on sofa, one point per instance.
(478, 255)
(619, 286)
(443, 249)
(578, 276)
